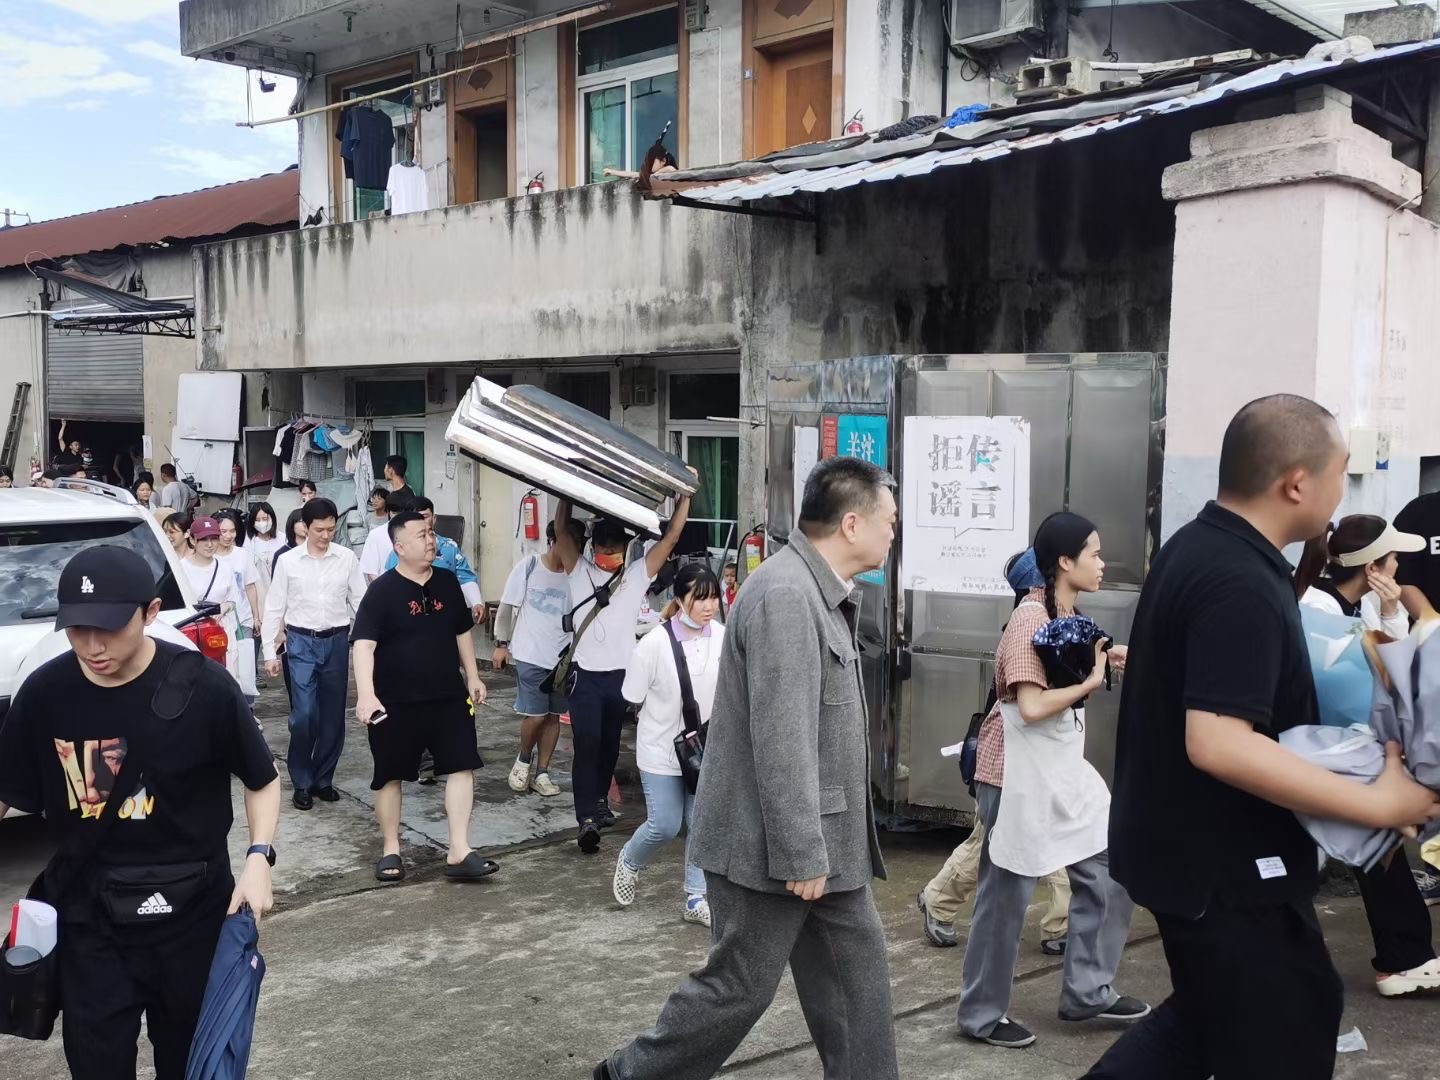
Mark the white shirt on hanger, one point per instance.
(409, 193)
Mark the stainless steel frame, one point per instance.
(1097, 428)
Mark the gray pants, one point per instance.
(1100, 913)
(836, 950)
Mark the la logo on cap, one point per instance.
(86, 585)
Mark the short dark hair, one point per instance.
(6, 472)
(318, 509)
(400, 520)
(381, 490)
(397, 463)
(167, 469)
(145, 476)
(422, 504)
(840, 486)
(296, 517)
(399, 502)
(307, 484)
(575, 527)
(1271, 436)
(608, 532)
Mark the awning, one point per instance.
(116, 312)
(1003, 132)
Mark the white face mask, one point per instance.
(263, 526)
(688, 621)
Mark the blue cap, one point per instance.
(1024, 574)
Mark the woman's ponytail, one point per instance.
(1313, 562)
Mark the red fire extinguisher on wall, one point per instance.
(237, 478)
(536, 184)
(530, 516)
(753, 547)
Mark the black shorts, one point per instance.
(445, 728)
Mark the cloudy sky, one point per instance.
(101, 109)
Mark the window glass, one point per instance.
(694, 396)
(650, 36)
(654, 103)
(399, 106)
(604, 132)
(389, 397)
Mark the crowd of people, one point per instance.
(780, 841)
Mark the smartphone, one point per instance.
(377, 717)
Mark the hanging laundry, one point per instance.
(320, 437)
(369, 138)
(409, 193)
(346, 438)
(340, 138)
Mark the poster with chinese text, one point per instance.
(965, 502)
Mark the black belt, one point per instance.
(306, 632)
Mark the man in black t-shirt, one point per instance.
(414, 663)
(128, 745)
(1202, 824)
(1419, 573)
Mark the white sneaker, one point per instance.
(1424, 977)
(697, 910)
(626, 878)
(543, 785)
(520, 776)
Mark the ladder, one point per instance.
(12, 429)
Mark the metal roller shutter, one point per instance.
(94, 376)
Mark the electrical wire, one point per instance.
(1110, 53)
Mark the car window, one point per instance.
(32, 556)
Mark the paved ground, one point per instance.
(536, 973)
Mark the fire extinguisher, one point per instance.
(754, 548)
(530, 516)
(856, 124)
(536, 184)
(237, 478)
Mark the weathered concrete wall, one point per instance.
(893, 58)
(579, 272)
(1052, 251)
(715, 131)
(537, 112)
(22, 359)
(1293, 278)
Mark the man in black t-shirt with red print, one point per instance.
(128, 745)
(414, 663)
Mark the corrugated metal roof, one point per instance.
(1316, 15)
(270, 201)
(1123, 111)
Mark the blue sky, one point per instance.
(98, 108)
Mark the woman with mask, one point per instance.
(1350, 571)
(262, 535)
(652, 681)
(1055, 811)
(213, 581)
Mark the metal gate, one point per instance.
(94, 376)
(1096, 426)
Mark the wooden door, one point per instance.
(794, 94)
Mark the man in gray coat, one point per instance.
(784, 828)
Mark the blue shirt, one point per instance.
(448, 556)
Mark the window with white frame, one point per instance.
(628, 89)
(399, 108)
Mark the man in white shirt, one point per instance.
(378, 546)
(602, 651)
(314, 594)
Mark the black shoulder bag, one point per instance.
(31, 994)
(560, 674)
(690, 743)
(970, 750)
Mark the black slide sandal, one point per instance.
(472, 868)
(390, 868)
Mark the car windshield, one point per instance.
(32, 556)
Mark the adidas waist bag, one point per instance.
(142, 895)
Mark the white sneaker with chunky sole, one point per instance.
(1424, 977)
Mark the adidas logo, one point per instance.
(156, 905)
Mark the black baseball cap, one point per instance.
(103, 587)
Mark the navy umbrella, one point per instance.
(221, 1047)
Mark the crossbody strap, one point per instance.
(689, 710)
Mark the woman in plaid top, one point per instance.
(1054, 812)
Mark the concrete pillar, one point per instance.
(1291, 260)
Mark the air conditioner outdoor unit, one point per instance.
(989, 24)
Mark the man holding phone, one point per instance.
(411, 625)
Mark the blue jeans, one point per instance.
(667, 805)
(319, 678)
